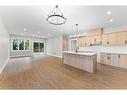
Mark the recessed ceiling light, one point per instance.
(48, 33)
(109, 12)
(111, 20)
(24, 29)
(38, 32)
(68, 32)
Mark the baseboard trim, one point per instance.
(54, 55)
(4, 65)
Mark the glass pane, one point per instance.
(21, 44)
(27, 45)
(41, 47)
(15, 44)
(36, 46)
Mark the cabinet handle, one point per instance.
(119, 55)
(125, 41)
(108, 57)
(108, 42)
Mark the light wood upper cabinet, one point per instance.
(121, 38)
(84, 41)
(96, 39)
(80, 41)
(116, 38)
(97, 31)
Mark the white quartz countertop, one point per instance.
(114, 52)
(80, 53)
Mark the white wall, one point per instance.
(28, 52)
(54, 46)
(4, 46)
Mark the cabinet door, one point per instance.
(114, 60)
(103, 58)
(96, 39)
(123, 61)
(88, 41)
(105, 39)
(80, 41)
(122, 38)
(112, 39)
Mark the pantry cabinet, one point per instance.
(114, 59)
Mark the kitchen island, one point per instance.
(86, 61)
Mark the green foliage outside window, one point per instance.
(20, 44)
(38, 47)
(27, 45)
(15, 44)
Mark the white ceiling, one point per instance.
(33, 18)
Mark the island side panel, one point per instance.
(84, 62)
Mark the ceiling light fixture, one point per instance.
(111, 20)
(24, 29)
(109, 12)
(56, 17)
(77, 35)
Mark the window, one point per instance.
(15, 44)
(38, 47)
(27, 45)
(20, 44)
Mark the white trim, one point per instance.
(1, 70)
(21, 55)
(54, 55)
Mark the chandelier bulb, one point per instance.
(56, 6)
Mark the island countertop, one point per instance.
(80, 53)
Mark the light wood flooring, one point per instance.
(46, 72)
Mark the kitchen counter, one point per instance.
(114, 52)
(81, 53)
(86, 61)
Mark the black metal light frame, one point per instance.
(56, 15)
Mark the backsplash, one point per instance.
(110, 49)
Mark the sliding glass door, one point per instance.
(38, 47)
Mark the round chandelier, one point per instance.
(56, 17)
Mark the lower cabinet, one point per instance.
(123, 61)
(118, 60)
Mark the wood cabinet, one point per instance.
(113, 59)
(116, 38)
(121, 38)
(96, 39)
(88, 40)
(84, 41)
(108, 39)
(123, 60)
(97, 31)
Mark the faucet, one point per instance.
(77, 49)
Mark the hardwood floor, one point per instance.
(46, 72)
